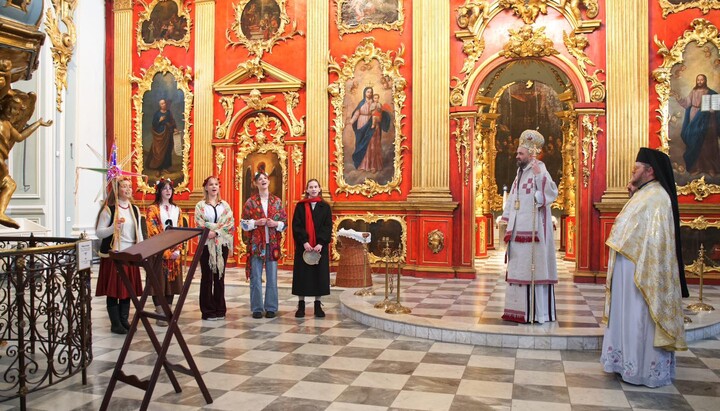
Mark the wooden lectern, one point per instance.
(149, 255)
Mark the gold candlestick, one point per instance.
(700, 306)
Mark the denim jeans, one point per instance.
(271, 290)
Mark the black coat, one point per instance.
(312, 280)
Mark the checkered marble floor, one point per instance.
(336, 363)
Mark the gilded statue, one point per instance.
(16, 108)
(470, 12)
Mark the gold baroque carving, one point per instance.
(702, 32)
(63, 44)
(297, 158)
(390, 66)
(703, 5)
(144, 15)
(469, 13)
(566, 186)
(183, 77)
(372, 218)
(700, 223)
(227, 103)
(436, 241)
(256, 101)
(262, 134)
(122, 5)
(576, 45)
(219, 161)
(366, 27)
(297, 127)
(259, 46)
(527, 10)
(462, 147)
(528, 42)
(589, 145)
(457, 93)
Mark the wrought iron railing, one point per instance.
(45, 327)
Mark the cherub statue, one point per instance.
(256, 101)
(470, 12)
(574, 7)
(16, 108)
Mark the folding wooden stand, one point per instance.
(149, 255)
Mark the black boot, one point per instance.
(125, 313)
(318, 309)
(114, 314)
(301, 309)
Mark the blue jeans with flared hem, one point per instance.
(271, 290)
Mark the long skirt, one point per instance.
(110, 284)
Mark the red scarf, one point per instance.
(309, 225)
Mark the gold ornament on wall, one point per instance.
(297, 158)
(527, 10)
(589, 145)
(462, 147)
(566, 186)
(528, 42)
(704, 5)
(354, 16)
(256, 101)
(182, 77)
(472, 12)
(371, 218)
(436, 241)
(260, 133)
(219, 161)
(701, 223)
(257, 32)
(576, 45)
(172, 29)
(227, 103)
(702, 32)
(389, 65)
(297, 126)
(63, 44)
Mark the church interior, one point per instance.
(181, 90)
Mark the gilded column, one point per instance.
(318, 23)
(431, 100)
(122, 67)
(203, 106)
(628, 81)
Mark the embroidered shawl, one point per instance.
(156, 226)
(223, 228)
(255, 239)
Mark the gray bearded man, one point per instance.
(533, 191)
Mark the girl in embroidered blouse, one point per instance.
(118, 227)
(263, 221)
(163, 213)
(215, 214)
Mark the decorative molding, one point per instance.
(576, 45)
(589, 145)
(463, 147)
(528, 42)
(344, 28)
(227, 103)
(63, 44)
(259, 46)
(233, 83)
(122, 5)
(704, 5)
(702, 32)
(297, 158)
(183, 77)
(527, 10)
(256, 101)
(390, 65)
(144, 16)
(297, 127)
(219, 161)
(567, 192)
(436, 241)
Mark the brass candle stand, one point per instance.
(396, 307)
(364, 292)
(699, 265)
(387, 256)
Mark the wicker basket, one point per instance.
(353, 263)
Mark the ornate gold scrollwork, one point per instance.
(566, 186)
(485, 149)
(262, 134)
(259, 46)
(703, 5)
(390, 67)
(227, 103)
(527, 10)
(576, 45)
(297, 158)
(469, 13)
(254, 68)
(372, 218)
(702, 32)
(219, 161)
(297, 127)
(589, 145)
(63, 44)
(182, 77)
(256, 101)
(528, 42)
(367, 27)
(436, 241)
(457, 93)
(462, 147)
(144, 16)
(700, 223)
